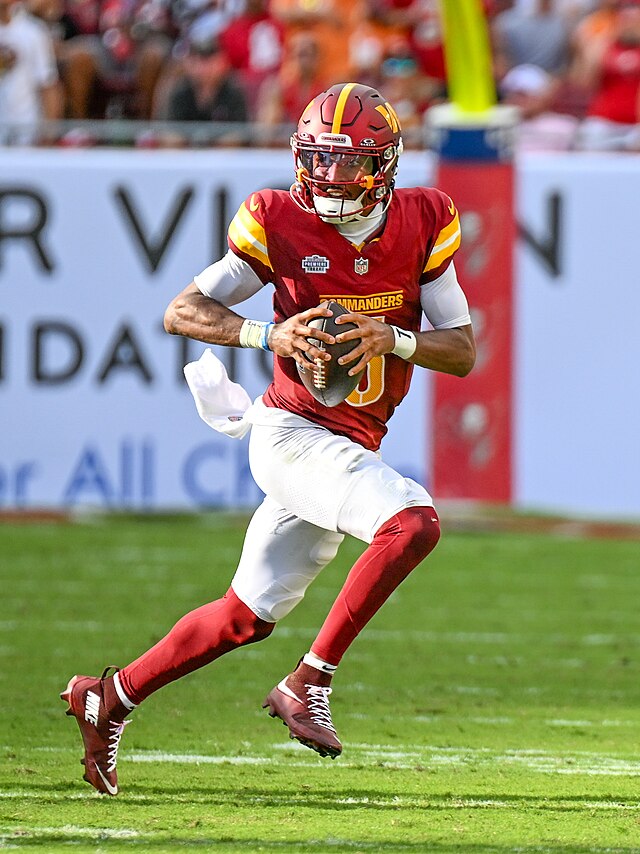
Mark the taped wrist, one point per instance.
(255, 333)
(406, 342)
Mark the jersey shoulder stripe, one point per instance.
(446, 244)
(248, 235)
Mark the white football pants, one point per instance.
(318, 487)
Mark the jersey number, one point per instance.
(371, 386)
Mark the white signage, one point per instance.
(94, 410)
(577, 385)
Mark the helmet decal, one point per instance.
(339, 111)
(390, 115)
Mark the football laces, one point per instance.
(319, 373)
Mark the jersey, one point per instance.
(308, 261)
(617, 96)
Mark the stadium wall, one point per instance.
(94, 409)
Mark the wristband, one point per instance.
(406, 342)
(255, 333)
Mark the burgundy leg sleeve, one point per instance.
(197, 639)
(397, 548)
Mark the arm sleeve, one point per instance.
(229, 281)
(443, 301)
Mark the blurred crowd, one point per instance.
(572, 67)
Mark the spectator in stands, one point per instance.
(200, 20)
(254, 44)
(612, 67)
(541, 127)
(369, 40)
(29, 89)
(330, 22)
(409, 90)
(113, 70)
(537, 36)
(206, 91)
(284, 97)
(420, 24)
(596, 26)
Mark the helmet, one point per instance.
(347, 138)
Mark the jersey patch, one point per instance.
(361, 266)
(315, 264)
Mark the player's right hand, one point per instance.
(290, 338)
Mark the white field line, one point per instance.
(71, 830)
(406, 757)
(406, 801)
(508, 639)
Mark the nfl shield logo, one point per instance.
(361, 266)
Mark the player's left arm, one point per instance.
(449, 347)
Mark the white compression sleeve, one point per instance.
(229, 280)
(443, 301)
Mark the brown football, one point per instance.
(329, 382)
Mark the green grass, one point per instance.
(493, 705)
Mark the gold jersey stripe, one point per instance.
(446, 244)
(339, 113)
(249, 236)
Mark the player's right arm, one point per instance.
(201, 311)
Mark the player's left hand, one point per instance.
(375, 339)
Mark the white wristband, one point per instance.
(406, 342)
(255, 333)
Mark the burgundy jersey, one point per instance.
(308, 261)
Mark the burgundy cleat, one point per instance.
(301, 701)
(93, 702)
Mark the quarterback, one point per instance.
(342, 234)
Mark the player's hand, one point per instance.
(289, 338)
(376, 339)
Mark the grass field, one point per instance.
(493, 705)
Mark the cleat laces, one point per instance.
(318, 705)
(116, 728)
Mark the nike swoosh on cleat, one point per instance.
(113, 790)
(282, 686)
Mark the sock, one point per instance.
(313, 661)
(396, 549)
(122, 697)
(197, 639)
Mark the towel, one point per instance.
(221, 403)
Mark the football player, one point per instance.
(342, 233)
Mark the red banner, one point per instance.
(472, 415)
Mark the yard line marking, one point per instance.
(73, 830)
(402, 635)
(407, 801)
(407, 757)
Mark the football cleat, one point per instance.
(101, 735)
(301, 701)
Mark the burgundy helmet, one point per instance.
(347, 137)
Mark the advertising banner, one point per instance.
(472, 415)
(577, 301)
(94, 409)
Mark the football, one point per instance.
(329, 382)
